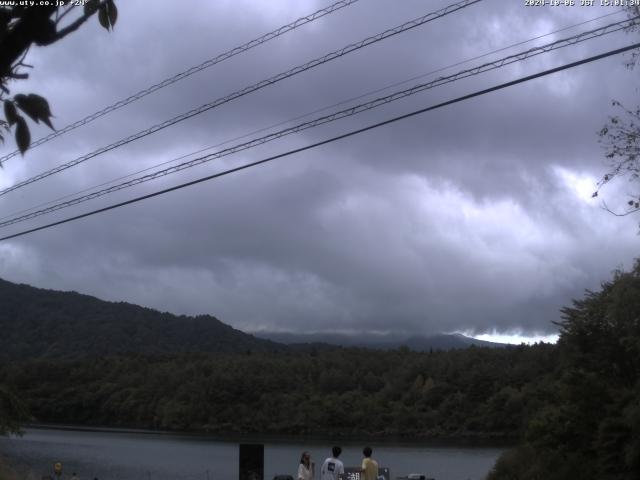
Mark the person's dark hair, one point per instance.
(304, 454)
(367, 452)
(336, 451)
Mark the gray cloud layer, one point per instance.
(473, 217)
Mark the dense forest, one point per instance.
(589, 425)
(573, 409)
(465, 393)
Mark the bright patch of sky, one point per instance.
(515, 337)
(581, 185)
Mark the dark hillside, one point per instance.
(45, 323)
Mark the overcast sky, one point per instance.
(476, 217)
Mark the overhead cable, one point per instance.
(252, 88)
(186, 73)
(305, 115)
(330, 140)
(517, 57)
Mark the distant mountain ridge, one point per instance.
(441, 341)
(41, 323)
(35, 323)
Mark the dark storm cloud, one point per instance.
(475, 217)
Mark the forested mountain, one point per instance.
(45, 323)
(74, 359)
(39, 323)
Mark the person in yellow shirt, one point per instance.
(369, 465)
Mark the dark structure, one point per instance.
(251, 462)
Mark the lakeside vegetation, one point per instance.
(478, 392)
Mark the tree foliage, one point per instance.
(22, 26)
(13, 412)
(620, 138)
(477, 393)
(590, 426)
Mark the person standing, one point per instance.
(306, 467)
(369, 465)
(332, 467)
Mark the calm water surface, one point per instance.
(138, 456)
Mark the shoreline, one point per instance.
(128, 454)
(470, 441)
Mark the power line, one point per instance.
(573, 40)
(257, 86)
(332, 139)
(343, 102)
(190, 71)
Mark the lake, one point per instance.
(120, 455)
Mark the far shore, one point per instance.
(479, 440)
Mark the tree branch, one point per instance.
(72, 27)
(20, 36)
(61, 16)
(605, 207)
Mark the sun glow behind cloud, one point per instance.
(515, 337)
(581, 186)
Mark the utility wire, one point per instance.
(332, 139)
(343, 102)
(190, 71)
(573, 40)
(257, 86)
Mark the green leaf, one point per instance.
(23, 136)
(36, 107)
(10, 112)
(25, 105)
(91, 7)
(41, 107)
(40, 103)
(103, 16)
(113, 12)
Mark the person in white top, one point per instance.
(332, 467)
(306, 467)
